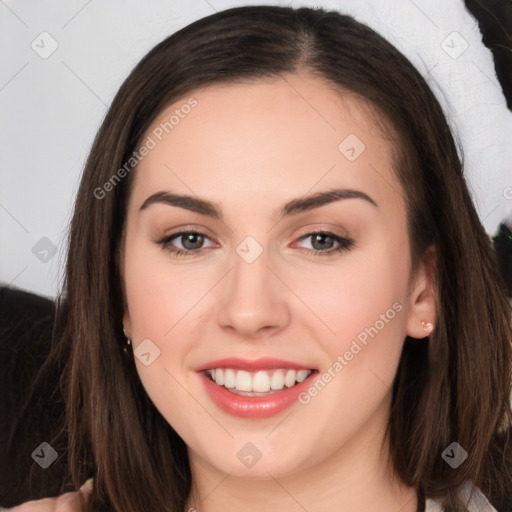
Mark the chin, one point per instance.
(248, 462)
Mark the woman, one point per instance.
(274, 214)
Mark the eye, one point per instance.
(324, 240)
(192, 242)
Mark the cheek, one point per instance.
(357, 293)
(365, 307)
(363, 304)
(159, 295)
(158, 301)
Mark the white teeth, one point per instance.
(261, 381)
(229, 378)
(277, 380)
(219, 376)
(302, 375)
(243, 381)
(289, 380)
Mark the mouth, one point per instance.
(259, 383)
(245, 390)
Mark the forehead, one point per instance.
(268, 139)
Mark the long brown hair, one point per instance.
(455, 386)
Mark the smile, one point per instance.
(255, 389)
(257, 383)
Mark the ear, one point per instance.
(422, 298)
(127, 323)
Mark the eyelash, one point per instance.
(345, 244)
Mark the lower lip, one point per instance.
(255, 407)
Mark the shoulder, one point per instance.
(475, 499)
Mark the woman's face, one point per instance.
(261, 294)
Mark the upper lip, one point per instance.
(250, 365)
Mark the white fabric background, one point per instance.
(51, 108)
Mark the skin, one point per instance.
(250, 148)
(68, 502)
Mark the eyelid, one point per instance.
(166, 238)
(345, 241)
(187, 227)
(318, 227)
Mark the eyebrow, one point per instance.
(293, 207)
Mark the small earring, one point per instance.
(427, 326)
(128, 340)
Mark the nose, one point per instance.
(254, 300)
